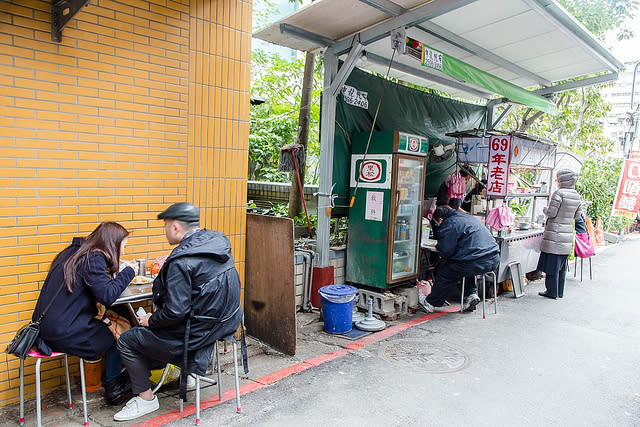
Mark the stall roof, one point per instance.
(528, 43)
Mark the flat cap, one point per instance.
(182, 212)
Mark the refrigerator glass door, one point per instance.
(406, 228)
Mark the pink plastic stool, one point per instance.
(39, 356)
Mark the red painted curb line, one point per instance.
(291, 370)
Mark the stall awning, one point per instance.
(469, 74)
(501, 48)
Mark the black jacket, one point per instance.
(198, 281)
(461, 237)
(69, 326)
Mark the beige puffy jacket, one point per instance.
(561, 213)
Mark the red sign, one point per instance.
(627, 201)
(498, 170)
(414, 144)
(371, 171)
(634, 154)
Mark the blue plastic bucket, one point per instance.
(337, 307)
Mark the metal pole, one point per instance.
(633, 85)
(327, 129)
(634, 114)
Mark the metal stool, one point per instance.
(39, 356)
(575, 267)
(232, 340)
(495, 292)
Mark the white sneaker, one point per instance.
(137, 407)
(191, 382)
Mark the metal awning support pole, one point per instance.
(327, 129)
(345, 71)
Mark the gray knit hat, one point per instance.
(566, 178)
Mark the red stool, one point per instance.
(39, 356)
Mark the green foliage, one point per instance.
(519, 206)
(275, 123)
(600, 16)
(577, 125)
(597, 185)
(301, 219)
(263, 13)
(619, 222)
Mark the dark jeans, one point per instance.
(112, 363)
(555, 282)
(450, 273)
(142, 350)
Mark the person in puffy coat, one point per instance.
(87, 271)
(557, 240)
(197, 300)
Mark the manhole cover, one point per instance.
(421, 354)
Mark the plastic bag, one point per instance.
(172, 375)
(500, 217)
(117, 324)
(457, 185)
(583, 245)
(157, 264)
(424, 289)
(337, 299)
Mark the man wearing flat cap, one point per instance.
(197, 300)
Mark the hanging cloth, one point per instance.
(457, 185)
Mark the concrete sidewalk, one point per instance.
(266, 367)
(314, 346)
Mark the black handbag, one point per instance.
(26, 336)
(23, 341)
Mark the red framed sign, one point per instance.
(627, 201)
(498, 167)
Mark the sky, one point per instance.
(626, 50)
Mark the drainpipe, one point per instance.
(309, 257)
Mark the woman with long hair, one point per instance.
(89, 271)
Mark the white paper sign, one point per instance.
(355, 97)
(431, 58)
(375, 202)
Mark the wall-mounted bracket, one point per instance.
(399, 40)
(61, 13)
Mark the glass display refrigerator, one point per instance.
(386, 187)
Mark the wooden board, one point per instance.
(269, 296)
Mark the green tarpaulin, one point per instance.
(403, 109)
(454, 67)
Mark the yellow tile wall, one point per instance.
(142, 104)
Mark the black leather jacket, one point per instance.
(198, 281)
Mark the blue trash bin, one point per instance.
(337, 307)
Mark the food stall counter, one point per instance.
(521, 246)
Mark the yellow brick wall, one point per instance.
(143, 103)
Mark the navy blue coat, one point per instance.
(69, 326)
(461, 237)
